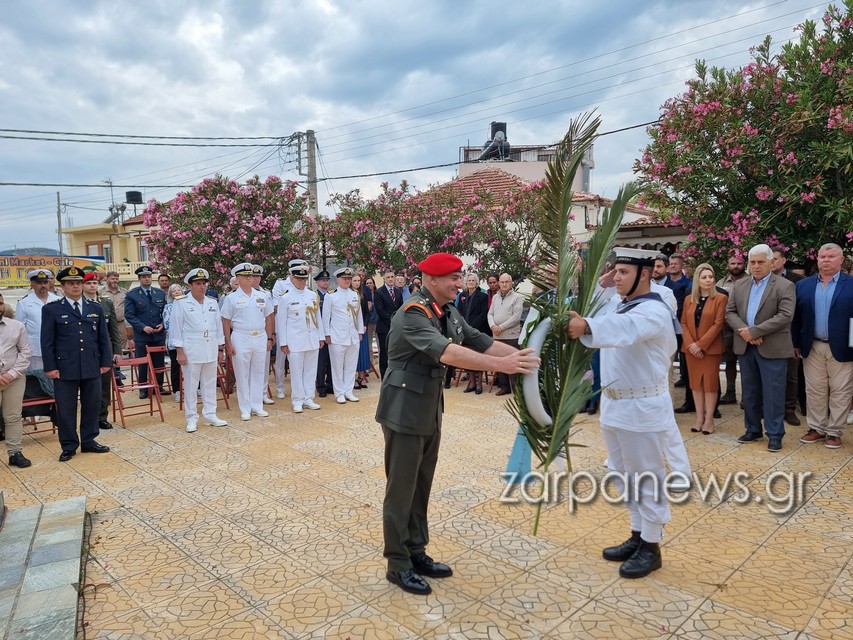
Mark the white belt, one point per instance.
(250, 333)
(636, 392)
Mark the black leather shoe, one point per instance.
(143, 395)
(426, 566)
(322, 394)
(750, 436)
(792, 419)
(774, 444)
(410, 581)
(646, 559)
(165, 392)
(447, 384)
(620, 553)
(103, 424)
(503, 392)
(95, 448)
(680, 383)
(717, 414)
(728, 398)
(18, 460)
(478, 391)
(685, 408)
(65, 456)
(469, 389)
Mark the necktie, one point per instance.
(148, 295)
(392, 294)
(77, 307)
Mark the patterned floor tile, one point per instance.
(483, 622)
(833, 620)
(249, 625)
(157, 584)
(536, 601)
(364, 623)
(424, 614)
(579, 571)
(716, 621)
(596, 622)
(479, 575)
(309, 607)
(657, 605)
(770, 599)
(122, 563)
(194, 610)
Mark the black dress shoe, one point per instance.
(410, 581)
(469, 389)
(143, 395)
(792, 419)
(478, 390)
(18, 460)
(728, 398)
(322, 394)
(774, 444)
(646, 559)
(103, 424)
(447, 384)
(717, 414)
(750, 436)
(95, 448)
(426, 566)
(680, 383)
(622, 552)
(65, 456)
(503, 392)
(165, 392)
(686, 408)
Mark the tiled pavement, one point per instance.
(271, 529)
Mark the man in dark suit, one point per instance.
(388, 299)
(324, 363)
(820, 333)
(76, 350)
(143, 310)
(795, 365)
(759, 311)
(473, 304)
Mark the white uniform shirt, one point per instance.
(279, 289)
(636, 351)
(28, 313)
(342, 320)
(666, 294)
(247, 312)
(197, 328)
(298, 324)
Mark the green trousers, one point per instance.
(409, 468)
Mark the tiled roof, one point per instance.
(137, 219)
(493, 180)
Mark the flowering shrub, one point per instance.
(220, 223)
(763, 153)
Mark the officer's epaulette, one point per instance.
(422, 304)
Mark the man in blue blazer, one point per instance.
(821, 334)
(76, 350)
(143, 310)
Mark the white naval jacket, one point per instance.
(196, 327)
(28, 313)
(298, 324)
(247, 312)
(636, 352)
(342, 320)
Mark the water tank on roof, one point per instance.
(495, 127)
(133, 197)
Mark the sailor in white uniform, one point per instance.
(28, 311)
(298, 329)
(343, 327)
(637, 342)
(247, 322)
(195, 330)
(281, 287)
(257, 276)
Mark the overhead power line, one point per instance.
(140, 144)
(127, 135)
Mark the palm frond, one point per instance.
(563, 381)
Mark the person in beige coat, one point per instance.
(759, 311)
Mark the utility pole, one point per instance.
(311, 142)
(59, 225)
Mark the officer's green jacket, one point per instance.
(411, 399)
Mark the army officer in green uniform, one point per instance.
(427, 335)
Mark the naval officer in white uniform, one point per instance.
(343, 326)
(28, 311)
(195, 330)
(637, 342)
(298, 329)
(247, 322)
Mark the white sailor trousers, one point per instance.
(280, 360)
(201, 374)
(639, 455)
(303, 375)
(344, 358)
(249, 372)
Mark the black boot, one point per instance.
(646, 559)
(623, 551)
(729, 396)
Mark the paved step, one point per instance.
(41, 549)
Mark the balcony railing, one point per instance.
(125, 270)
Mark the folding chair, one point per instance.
(35, 420)
(132, 385)
(165, 370)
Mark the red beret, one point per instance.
(440, 264)
(90, 276)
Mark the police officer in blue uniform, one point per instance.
(76, 349)
(143, 310)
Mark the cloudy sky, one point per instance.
(386, 85)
